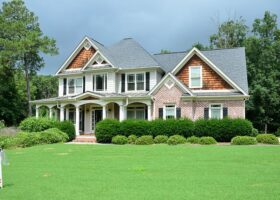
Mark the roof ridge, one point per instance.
(170, 52)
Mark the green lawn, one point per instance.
(64, 171)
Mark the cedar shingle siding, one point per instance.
(211, 80)
(81, 59)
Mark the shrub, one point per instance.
(68, 128)
(176, 139)
(119, 139)
(135, 127)
(33, 124)
(26, 139)
(53, 135)
(277, 133)
(171, 127)
(131, 139)
(193, 140)
(255, 132)
(207, 140)
(2, 124)
(106, 130)
(161, 139)
(223, 129)
(243, 140)
(267, 139)
(145, 140)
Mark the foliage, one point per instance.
(243, 140)
(255, 132)
(207, 140)
(277, 133)
(223, 129)
(33, 124)
(267, 139)
(160, 139)
(193, 140)
(2, 124)
(53, 135)
(131, 139)
(119, 139)
(135, 127)
(176, 139)
(66, 127)
(144, 140)
(106, 130)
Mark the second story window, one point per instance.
(99, 82)
(135, 82)
(195, 76)
(75, 85)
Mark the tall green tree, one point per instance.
(27, 40)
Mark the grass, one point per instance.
(63, 171)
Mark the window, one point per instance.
(136, 82)
(170, 112)
(215, 111)
(135, 113)
(75, 85)
(195, 80)
(99, 82)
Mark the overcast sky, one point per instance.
(156, 24)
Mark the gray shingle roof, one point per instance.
(231, 62)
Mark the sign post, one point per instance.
(1, 161)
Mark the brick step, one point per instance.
(85, 138)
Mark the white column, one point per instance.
(122, 113)
(104, 113)
(149, 109)
(61, 113)
(67, 113)
(77, 126)
(37, 112)
(50, 112)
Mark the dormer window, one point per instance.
(195, 77)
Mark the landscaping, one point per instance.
(66, 171)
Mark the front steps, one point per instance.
(85, 139)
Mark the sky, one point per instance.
(156, 24)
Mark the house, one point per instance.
(124, 81)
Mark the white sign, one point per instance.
(1, 160)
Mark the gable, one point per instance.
(211, 80)
(81, 58)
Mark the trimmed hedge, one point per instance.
(224, 129)
(176, 139)
(221, 130)
(193, 140)
(161, 139)
(119, 139)
(243, 140)
(132, 139)
(207, 140)
(267, 139)
(145, 140)
(33, 124)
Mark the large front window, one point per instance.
(215, 111)
(99, 82)
(135, 113)
(195, 80)
(136, 82)
(170, 112)
(75, 85)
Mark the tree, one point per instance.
(27, 40)
(231, 33)
(45, 86)
(200, 46)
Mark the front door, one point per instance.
(96, 117)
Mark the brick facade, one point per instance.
(193, 109)
(82, 58)
(211, 80)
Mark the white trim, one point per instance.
(175, 110)
(190, 76)
(94, 84)
(89, 63)
(182, 86)
(221, 112)
(226, 90)
(214, 67)
(239, 97)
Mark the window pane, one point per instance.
(79, 85)
(195, 82)
(140, 77)
(169, 112)
(140, 114)
(71, 86)
(130, 78)
(130, 114)
(140, 81)
(216, 111)
(140, 86)
(195, 72)
(100, 82)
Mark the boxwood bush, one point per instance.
(267, 139)
(207, 140)
(176, 139)
(145, 140)
(119, 139)
(223, 129)
(243, 140)
(106, 130)
(193, 140)
(131, 139)
(53, 135)
(135, 127)
(66, 127)
(161, 139)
